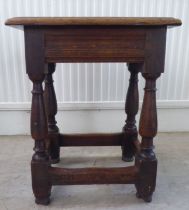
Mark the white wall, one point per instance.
(93, 86)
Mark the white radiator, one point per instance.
(93, 86)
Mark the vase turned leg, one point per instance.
(130, 143)
(51, 110)
(146, 161)
(40, 161)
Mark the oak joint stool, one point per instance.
(139, 42)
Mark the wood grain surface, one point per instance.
(128, 21)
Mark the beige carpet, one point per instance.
(172, 191)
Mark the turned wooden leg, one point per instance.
(146, 160)
(130, 143)
(40, 160)
(35, 67)
(51, 110)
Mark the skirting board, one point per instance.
(173, 116)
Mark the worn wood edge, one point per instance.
(93, 139)
(127, 21)
(85, 176)
(138, 59)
